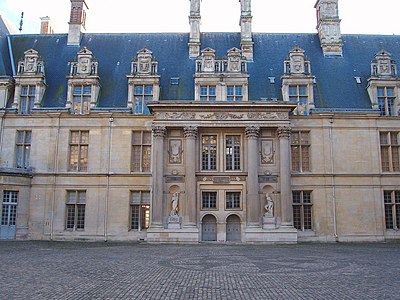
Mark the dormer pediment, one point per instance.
(85, 65)
(31, 64)
(383, 66)
(297, 64)
(143, 64)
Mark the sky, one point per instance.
(273, 16)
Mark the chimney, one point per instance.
(46, 26)
(194, 21)
(328, 26)
(77, 22)
(246, 40)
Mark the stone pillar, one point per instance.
(285, 179)
(158, 176)
(190, 133)
(253, 198)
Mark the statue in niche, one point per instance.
(175, 203)
(269, 207)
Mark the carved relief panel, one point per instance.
(267, 152)
(175, 151)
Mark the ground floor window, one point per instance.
(9, 208)
(302, 210)
(233, 200)
(392, 209)
(76, 206)
(140, 210)
(209, 200)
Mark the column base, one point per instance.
(275, 235)
(173, 235)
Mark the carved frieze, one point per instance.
(223, 116)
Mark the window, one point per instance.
(76, 202)
(141, 151)
(300, 147)
(386, 101)
(390, 151)
(140, 210)
(81, 96)
(209, 152)
(142, 94)
(232, 152)
(209, 200)
(27, 99)
(302, 210)
(23, 149)
(234, 93)
(9, 208)
(78, 150)
(392, 209)
(298, 93)
(208, 93)
(232, 200)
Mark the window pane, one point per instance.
(390, 92)
(146, 160)
(85, 137)
(77, 90)
(145, 216)
(209, 199)
(148, 90)
(212, 91)
(296, 197)
(302, 90)
(292, 90)
(229, 91)
(135, 217)
(80, 222)
(135, 197)
(147, 138)
(87, 89)
(70, 221)
(238, 91)
(297, 217)
(24, 90)
(381, 92)
(307, 217)
(83, 159)
(296, 158)
(136, 158)
(138, 90)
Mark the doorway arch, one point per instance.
(209, 228)
(233, 229)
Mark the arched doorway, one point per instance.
(209, 228)
(233, 231)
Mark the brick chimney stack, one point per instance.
(77, 22)
(46, 26)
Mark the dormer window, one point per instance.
(223, 79)
(143, 82)
(383, 84)
(297, 82)
(29, 82)
(83, 83)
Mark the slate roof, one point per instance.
(5, 63)
(335, 84)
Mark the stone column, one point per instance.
(158, 176)
(190, 133)
(285, 180)
(253, 198)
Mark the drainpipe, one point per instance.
(110, 122)
(335, 232)
(53, 204)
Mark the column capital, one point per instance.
(159, 131)
(252, 132)
(190, 131)
(284, 132)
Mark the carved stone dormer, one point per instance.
(297, 81)
(29, 82)
(83, 83)
(384, 85)
(221, 79)
(143, 82)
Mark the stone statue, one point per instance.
(175, 203)
(269, 207)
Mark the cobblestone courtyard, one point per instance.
(65, 270)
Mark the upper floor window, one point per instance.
(390, 151)
(300, 148)
(23, 149)
(302, 210)
(209, 152)
(27, 99)
(81, 99)
(234, 93)
(140, 210)
(232, 152)
(76, 205)
(142, 94)
(298, 93)
(392, 209)
(9, 208)
(208, 93)
(386, 101)
(141, 151)
(78, 150)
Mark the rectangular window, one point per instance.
(208, 200)
(302, 210)
(392, 209)
(75, 213)
(142, 94)
(27, 99)
(232, 200)
(140, 210)
(298, 93)
(234, 93)
(9, 208)
(300, 148)
(209, 152)
(232, 152)
(78, 150)
(386, 101)
(141, 151)
(390, 151)
(208, 93)
(81, 95)
(23, 149)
